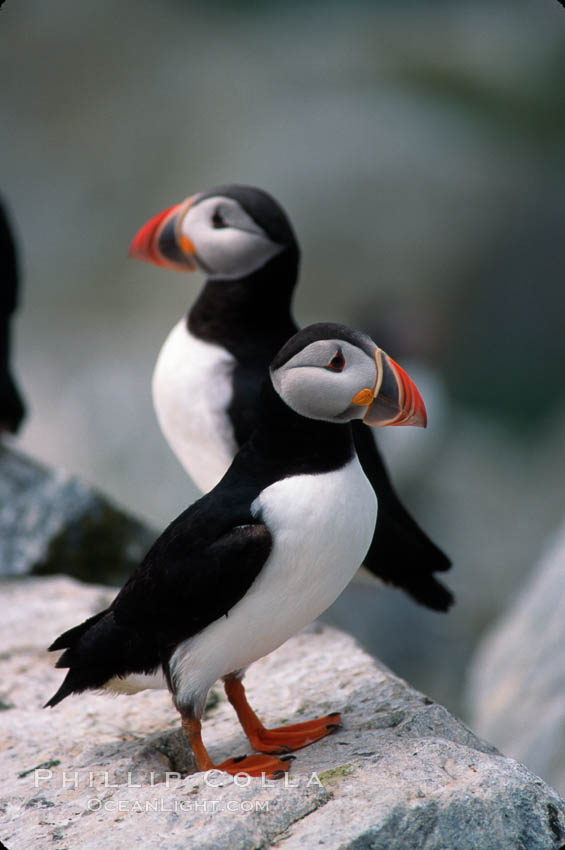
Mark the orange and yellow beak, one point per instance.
(162, 242)
(395, 398)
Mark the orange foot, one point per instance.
(284, 739)
(272, 768)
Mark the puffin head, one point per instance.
(230, 231)
(336, 374)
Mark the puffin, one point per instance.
(208, 376)
(260, 556)
(12, 408)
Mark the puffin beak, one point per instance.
(395, 399)
(161, 240)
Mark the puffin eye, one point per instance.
(218, 220)
(337, 363)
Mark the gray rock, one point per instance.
(516, 687)
(102, 771)
(51, 522)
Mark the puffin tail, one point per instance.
(70, 638)
(85, 654)
(401, 553)
(72, 684)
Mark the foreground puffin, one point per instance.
(210, 370)
(261, 555)
(12, 409)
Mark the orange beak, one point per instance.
(162, 242)
(395, 398)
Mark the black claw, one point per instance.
(331, 727)
(238, 758)
(334, 714)
(287, 758)
(277, 774)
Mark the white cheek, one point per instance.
(319, 393)
(229, 251)
(314, 392)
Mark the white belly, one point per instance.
(192, 388)
(136, 682)
(322, 527)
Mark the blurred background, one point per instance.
(418, 148)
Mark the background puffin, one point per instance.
(261, 555)
(208, 376)
(12, 409)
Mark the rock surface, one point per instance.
(401, 773)
(516, 685)
(51, 522)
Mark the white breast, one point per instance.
(192, 388)
(322, 526)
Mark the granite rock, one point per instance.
(52, 522)
(516, 688)
(101, 771)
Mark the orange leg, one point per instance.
(284, 739)
(271, 767)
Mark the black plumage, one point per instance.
(251, 317)
(12, 409)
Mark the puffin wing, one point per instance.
(178, 592)
(190, 577)
(401, 553)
